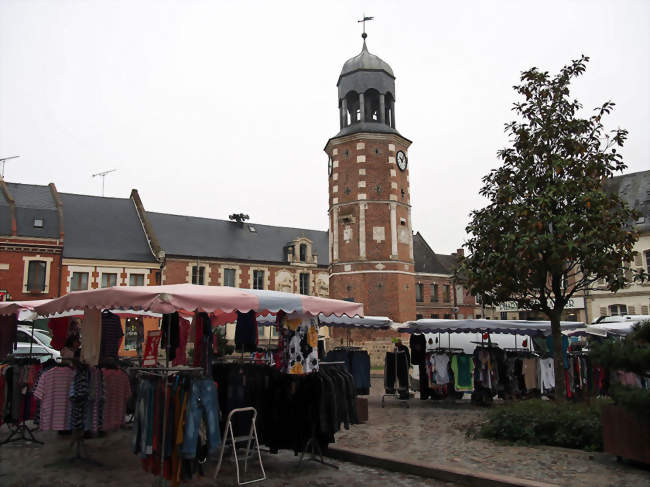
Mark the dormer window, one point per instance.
(303, 252)
(38, 222)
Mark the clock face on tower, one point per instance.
(330, 166)
(402, 161)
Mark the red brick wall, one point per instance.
(383, 282)
(94, 277)
(12, 253)
(466, 305)
(175, 272)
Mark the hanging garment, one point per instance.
(463, 368)
(53, 390)
(300, 337)
(91, 335)
(170, 337)
(183, 335)
(418, 346)
(547, 373)
(117, 391)
(530, 373)
(8, 335)
(59, 329)
(246, 332)
(139, 340)
(389, 372)
(203, 406)
(111, 335)
(441, 372)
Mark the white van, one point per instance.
(39, 342)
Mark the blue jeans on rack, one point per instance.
(202, 404)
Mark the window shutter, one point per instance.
(644, 310)
(603, 311)
(631, 310)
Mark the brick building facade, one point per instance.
(31, 241)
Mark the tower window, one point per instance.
(347, 152)
(376, 151)
(419, 291)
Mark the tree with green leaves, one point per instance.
(550, 229)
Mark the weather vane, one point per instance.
(363, 21)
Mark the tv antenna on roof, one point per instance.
(3, 160)
(103, 175)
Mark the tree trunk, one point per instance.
(560, 382)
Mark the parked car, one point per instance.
(39, 342)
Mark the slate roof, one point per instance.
(426, 260)
(634, 189)
(32, 201)
(366, 61)
(103, 228)
(223, 239)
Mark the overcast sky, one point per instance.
(209, 108)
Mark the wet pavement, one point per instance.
(435, 432)
(24, 465)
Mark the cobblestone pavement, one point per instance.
(23, 464)
(434, 432)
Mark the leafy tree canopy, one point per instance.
(550, 229)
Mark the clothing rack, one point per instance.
(449, 350)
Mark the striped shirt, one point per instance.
(53, 390)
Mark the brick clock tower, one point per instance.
(371, 242)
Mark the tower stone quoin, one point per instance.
(371, 241)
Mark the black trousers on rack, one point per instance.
(396, 366)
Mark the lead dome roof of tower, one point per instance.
(366, 61)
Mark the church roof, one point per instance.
(366, 61)
(427, 261)
(191, 236)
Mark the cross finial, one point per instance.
(363, 21)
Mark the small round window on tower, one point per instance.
(377, 151)
(347, 152)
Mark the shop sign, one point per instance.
(150, 358)
(573, 303)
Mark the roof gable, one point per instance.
(103, 228)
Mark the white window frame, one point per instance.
(48, 267)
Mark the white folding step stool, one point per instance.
(252, 435)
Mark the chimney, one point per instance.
(460, 252)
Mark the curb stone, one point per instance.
(448, 474)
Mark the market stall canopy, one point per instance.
(24, 309)
(621, 328)
(371, 322)
(520, 327)
(193, 297)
